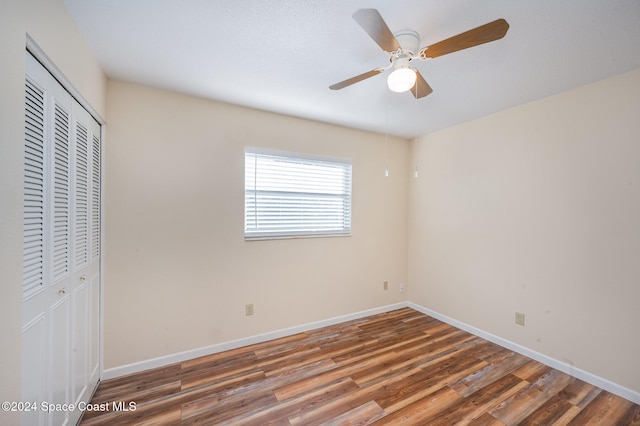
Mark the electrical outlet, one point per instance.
(401, 288)
(248, 309)
(520, 318)
(385, 285)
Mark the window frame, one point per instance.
(346, 197)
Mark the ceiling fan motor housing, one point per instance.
(409, 41)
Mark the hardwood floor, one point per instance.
(400, 367)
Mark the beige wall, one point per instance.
(48, 23)
(178, 272)
(537, 210)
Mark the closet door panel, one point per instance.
(94, 332)
(60, 359)
(81, 341)
(34, 368)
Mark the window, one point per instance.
(290, 195)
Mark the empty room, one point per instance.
(320, 212)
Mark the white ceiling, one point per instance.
(282, 55)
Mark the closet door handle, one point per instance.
(83, 278)
(62, 291)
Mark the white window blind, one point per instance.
(290, 195)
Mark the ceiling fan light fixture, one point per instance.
(401, 79)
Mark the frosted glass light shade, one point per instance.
(401, 79)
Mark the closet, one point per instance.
(61, 283)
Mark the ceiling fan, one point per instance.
(404, 46)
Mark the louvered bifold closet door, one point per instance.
(93, 338)
(35, 330)
(61, 309)
(47, 304)
(85, 259)
(61, 251)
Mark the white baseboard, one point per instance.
(225, 346)
(551, 362)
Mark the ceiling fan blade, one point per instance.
(421, 88)
(357, 78)
(483, 34)
(371, 21)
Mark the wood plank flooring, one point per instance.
(397, 368)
